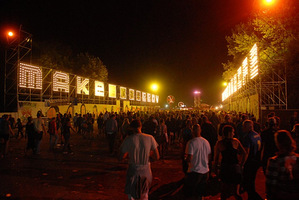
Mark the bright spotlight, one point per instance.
(154, 87)
(269, 2)
(10, 34)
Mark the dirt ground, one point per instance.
(90, 173)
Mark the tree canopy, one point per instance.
(59, 56)
(274, 30)
(277, 34)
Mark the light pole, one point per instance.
(196, 99)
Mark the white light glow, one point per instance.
(157, 99)
(61, 82)
(99, 89)
(123, 92)
(82, 85)
(138, 95)
(30, 76)
(131, 94)
(112, 91)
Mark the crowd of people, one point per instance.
(231, 146)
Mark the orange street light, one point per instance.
(268, 2)
(10, 34)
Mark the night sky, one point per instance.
(178, 43)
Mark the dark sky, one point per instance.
(178, 43)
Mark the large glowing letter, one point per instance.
(61, 81)
(240, 78)
(157, 99)
(112, 91)
(123, 92)
(143, 96)
(82, 85)
(149, 97)
(153, 98)
(131, 95)
(138, 95)
(30, 76)
(245, 71)
(99, 89)
(253, 62)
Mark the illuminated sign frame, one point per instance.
(30, 76)
(61, 81)
(112, 91)
(144, 97)
(131, 94)
(153, 98)
(82, 85)
(248, 69)
(149, 97)
(99, 90)
(122, 92)
(138, 95)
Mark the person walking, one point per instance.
(138, 147)
(19, 126)
(40, 129)
(111, 132)
(67, 126)
(198, 152)
(252, 145)
(282, 174)
(30, 135)
(230, 168)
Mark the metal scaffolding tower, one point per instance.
(18, 50)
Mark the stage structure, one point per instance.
(254, 89)
(29, 88)
(18, 49)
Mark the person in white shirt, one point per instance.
(138, 147)
(198, 152)
(39, 128)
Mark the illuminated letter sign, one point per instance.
(82, 85)
(245, 71)
(30, 76)
(239, 85)
(157, 99)
(143, 96)
(249, 69)
(61, 81)
(99, 89)
(153, 98)
(138, 95)
(253, 62)
(123, 92)
(149, 97)
(131, 95)
(112, 91)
